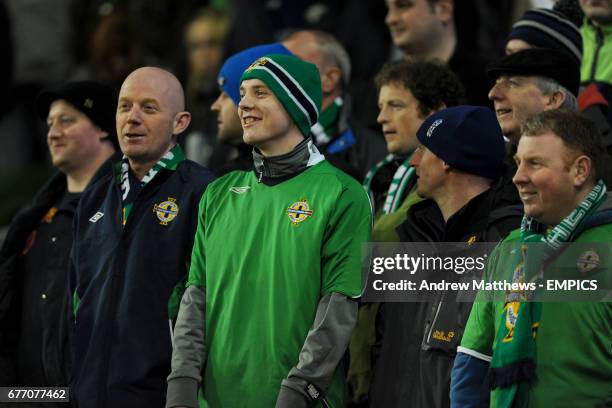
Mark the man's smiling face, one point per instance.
(516, 98)
(264, 119)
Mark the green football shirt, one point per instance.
(574, 340)
(265, 255)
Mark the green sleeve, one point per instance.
(479, 333)
(197, 269)
(348, 229)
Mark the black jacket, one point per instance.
(412, 368)
(124, 280)
(53, 340)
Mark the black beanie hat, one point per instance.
(97, 101)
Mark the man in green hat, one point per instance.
(268, 309)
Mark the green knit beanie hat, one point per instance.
(296, 84)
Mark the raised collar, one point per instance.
(304, 155)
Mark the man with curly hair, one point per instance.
(409, 92)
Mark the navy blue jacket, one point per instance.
(122, 279)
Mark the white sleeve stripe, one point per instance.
(474, 353)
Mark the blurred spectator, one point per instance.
(425, 29)
(341, 138)
(262, 21)
(486, 23)
(203, 41)
(544, 28)
(596, 69)
(41, 34)
(158, 25)
(114, 48)
(34, 346)
(596, 36)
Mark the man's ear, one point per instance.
(444, 10)
(181, 121)
(555, 100)
(581, 170)
(330, 79)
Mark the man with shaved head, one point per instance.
(133, 233)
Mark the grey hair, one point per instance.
(549, 86)
(334, 54)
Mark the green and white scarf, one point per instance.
(512, 367)
(168, 161)
(325, 128)
(397, 189)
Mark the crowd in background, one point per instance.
(45, 44)
(463, 121)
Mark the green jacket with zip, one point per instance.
(596, 53)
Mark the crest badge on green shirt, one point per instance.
(587, 261)
(299, 211)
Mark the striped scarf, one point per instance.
(398, 190)
(513, 363)
(168, 161)
(323, 131)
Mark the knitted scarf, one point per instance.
(324, 130)
(397, 189)
(168, 161)
(513, 363)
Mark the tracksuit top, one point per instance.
(123, 278)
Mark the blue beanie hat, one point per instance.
(234, 66)
(544, 28)
(467, 138)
